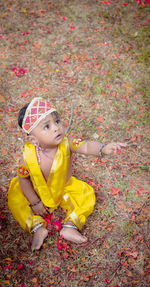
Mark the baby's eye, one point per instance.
(57, 122)
(46, 127)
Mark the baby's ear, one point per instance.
(32, 139)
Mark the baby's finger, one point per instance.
(131, 144)
(115, 149)
(122, 144)
(46, 211)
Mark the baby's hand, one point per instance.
(112, 148)
(40, 209)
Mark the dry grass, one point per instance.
(101, 66)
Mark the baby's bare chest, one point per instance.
(46, 165)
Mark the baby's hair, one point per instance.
(21, 115)
(55, 114)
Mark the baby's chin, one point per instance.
(57, 141)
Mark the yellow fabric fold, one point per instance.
(78, 200)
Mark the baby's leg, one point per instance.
(78, 201)
(71, 233)
(40, 233)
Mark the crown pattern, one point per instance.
(36, 111)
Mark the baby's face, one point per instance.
(49, 132)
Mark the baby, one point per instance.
(45, 178)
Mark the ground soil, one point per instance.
(94, 55)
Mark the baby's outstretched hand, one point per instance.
(112, 148)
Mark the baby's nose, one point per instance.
(55, 127)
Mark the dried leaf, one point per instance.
(100, 119)
(39, 269)
(34, 280)
(2, 99)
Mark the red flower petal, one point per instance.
(115, 191)
(57, 225)
(56, 268)
(66, 60)
(72, 28)
(20, 266)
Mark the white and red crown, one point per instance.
(37, 110)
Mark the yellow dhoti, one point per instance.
(76, 197)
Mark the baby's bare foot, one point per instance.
(72, 235)
(38, 238)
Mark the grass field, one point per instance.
(94, 55)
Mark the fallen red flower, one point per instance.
(64, 18)
(48, 220)
(8, 266)
(115, 191)
(61, 245)
(57, 225)
(72, 28)
(20, 266)
(106, 2)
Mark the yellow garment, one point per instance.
(76, 197)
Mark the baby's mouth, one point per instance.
(58, 136)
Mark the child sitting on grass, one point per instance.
(44, 179)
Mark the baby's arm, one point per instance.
(95, 148)
(29, 192)
(35, 202)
